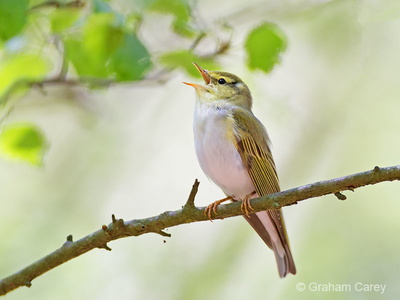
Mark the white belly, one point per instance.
(217, 155)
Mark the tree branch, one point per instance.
(57, 4)
(188, 214)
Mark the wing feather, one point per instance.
(254, 147)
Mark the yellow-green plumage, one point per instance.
(232, 147)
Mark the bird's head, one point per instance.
(222, 86)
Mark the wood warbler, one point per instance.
(233, 149)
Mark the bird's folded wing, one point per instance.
(253, 145)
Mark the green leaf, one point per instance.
(24, 142)
(81, 61)
(18, 67)
(131, 60)
(91, 53)
(184, 59)
(63, 18)
(101, 36)
(13, 15)
(264, 45)
(177, 8)
(105, 49)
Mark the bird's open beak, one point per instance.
(204, 74)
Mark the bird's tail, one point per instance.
(270, 226)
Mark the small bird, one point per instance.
(233, 150)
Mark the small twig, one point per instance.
(197, 40)
(65, 63)
(340, 196)
(163, 233)
(57, 4)
(222, 48)
(190, 201)
(113, 219)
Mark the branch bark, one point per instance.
(57, 4)
(188, 214)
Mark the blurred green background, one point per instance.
(331, 107)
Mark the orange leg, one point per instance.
(246, 206)
(213, 207)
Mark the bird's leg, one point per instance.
(246, 206)
(213, 207)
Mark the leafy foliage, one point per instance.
(131, 60)
(264, 45)
(23, 142)
(90, 51)
(63, 18)
(15, 13)
(181, 12)
(96, 41)
(21, 67)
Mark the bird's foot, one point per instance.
(246, 206)
(213, 207)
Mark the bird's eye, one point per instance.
(221, 81)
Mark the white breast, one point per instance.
(217, 154)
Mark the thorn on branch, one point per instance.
(105, 246)
(190, 201)
(340, 196)
(118, 223)
(68, 241)
(163, 233)
(377, 169)
(27, 283)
